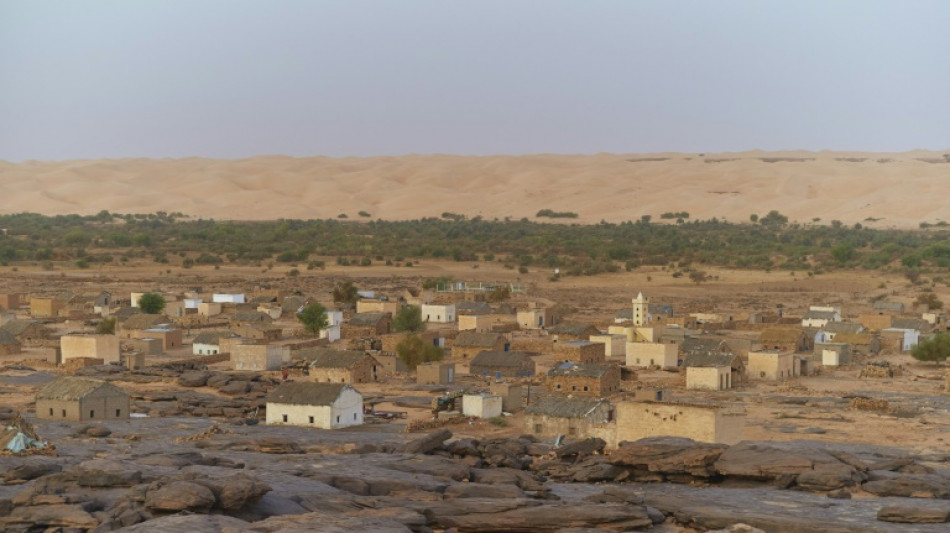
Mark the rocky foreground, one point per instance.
(183, 474)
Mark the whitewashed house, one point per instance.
(441, 314)
(818, 316)
(318, 405)
(228, 298)
(192, 303)
(207, 343)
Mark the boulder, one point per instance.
(581, 448)
(194, 523)
(278, 446)
(235, 491)
(218, 379)
(520, 515)
(427, 443)
(827, 477)
(194, 378)
(905, 514)
(179, 496)
(30, 471)
(911, 486)
(53, 517)
(669, 455)
(767, 461)
(482, 490)
(106, 473)
(235, 387)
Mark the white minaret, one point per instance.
(641, 310)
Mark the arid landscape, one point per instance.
(881, 190)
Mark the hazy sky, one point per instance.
(234, 78)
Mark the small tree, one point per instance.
(499, 294)
(152, 303)
(408, 318)
(314, 318)
(935, 349)
(106, 326)
(414, 351)
(698, 276)
(345, 292)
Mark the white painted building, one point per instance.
(442, 314)
(481, 405)
(192, 303)
(331, 333)
(224, 298)
(317, 405)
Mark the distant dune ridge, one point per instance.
(900, 189)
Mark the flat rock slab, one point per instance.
(907, 514)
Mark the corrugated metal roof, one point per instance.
(73, 388)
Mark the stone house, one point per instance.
(140, 322)
(512, 395)
(147, 346)
(259, 357)
(170, 336)
(648, 354)
(899, 339)
(535, 318)
(833, 353)
(572, 331)
(9, 345)
(828, 332)
(248, 318)
(875, 321)
(9, 301)
(377, 306)
(588, 379)
(46, 307)
(259, 332)
(571, 416)
(435, 373)
(479, 323)
(366, 326)
(469, 343)
(786, 340)
(471, 308)
(889, 307)
(703, 423)
(861, 343)
(210, 308)
(102, 303)
(818, 316)
(719, 359)
(438, 313)
(772, 365)
(105, 347)
(333, 366)
(74, 399)
(711, 377)
(318, 405)
(580, 351)
(511, 364)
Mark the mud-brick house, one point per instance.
(366, 326)
(208, 342)
(572, 416)
(861, 343)
(435, 373)
(511, 364)
(247, 318)
(259, 332)
(786, 340)
(588, 379)
(170, 336)
(438, 313)
(333, 366)
(74, 399)
(819, 316)
(580, 351)
(572, 331)
(713, 370)
(704, 423)
(9, 301)
(648, 354)
(535, 318)
(259, 357)
(46, 307)
(105, 347)
(28, 332)
(8, 344)
(468, 344)
(140, 322)
(772, 365)
(829, 331)
(318, 405)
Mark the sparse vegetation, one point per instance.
(314, 318)
(152, 303)
(549, 213)
(414, 351)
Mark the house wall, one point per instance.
(613, 344)
(646, 354)
(259, 357)
(346, 410)
(468, 352)
(597, 424)
(105, 347)
(10, 349)
(209, 308)
(350, 331)
(527, 368)
(510, 393)
(771, 366)
(580, 353)
(639, 420)
(147, 346)
(364, 371)
(709, 377)
(535, 319)
(175, 309)
(171, 338)
(205, 349)
(478, 323)
(832, 357)
(435, 374)
(46, 307)
(605, 385)
(331, 333)
(875, 321)
(227, 298)
(481, 406)
(102, 405)
(378, 306)
(441, 314)
(10, 301)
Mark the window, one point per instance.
(92, 414)
(558, 386)
(311, 420)
(285, 418)
(64, 413)
(572, 431)
(118, 413)
(338, 419)
(354, 416)
(586, 388)
(537, 428)
(573, 387)
(50, 411)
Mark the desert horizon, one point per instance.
(879, 189)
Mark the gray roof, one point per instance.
(73, 388)
(326, 358)
(123, 313)
(476, 340)
(821, 315)
(210, 337)
(367, 319)
(7, 338)
(255, 317)
(564, 406)
(573, 328)
(842, 327)
(292, 303)
(910, 323)
(144, 321)
(17, 327)
(586, 370)
(889, 306)
(473, 308)
(499, 358)
(303, 393)
(701, 346)
(717, 358)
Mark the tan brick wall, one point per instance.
(639, 420)
(645, 354)
(708, 377)
(587, 353)
(105, 347)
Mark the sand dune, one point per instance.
(900, 189)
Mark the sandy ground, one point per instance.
(876, 189)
